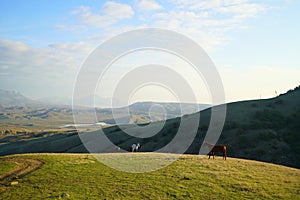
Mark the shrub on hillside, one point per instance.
(230, 125)
(267, 118)
(279, 101)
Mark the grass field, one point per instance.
(190, 177)
(6, 167)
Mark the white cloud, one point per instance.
(110, 14)
(4, 67)
(208, 5)
(8, 45)
(117, 10)
(221, 12)
(77, 48)
(43, 72)
(148, 5)
(243, 10)
(16, 54)
(207, 22)
(20, 59)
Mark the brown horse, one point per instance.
(216, 148)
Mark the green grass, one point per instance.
(190, 177)
(6, 167)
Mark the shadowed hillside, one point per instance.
(266, 130)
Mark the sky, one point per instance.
(254, 45)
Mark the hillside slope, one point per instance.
(266, 130)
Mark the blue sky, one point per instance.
(254, 44)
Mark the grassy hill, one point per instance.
(190, 177)
(266, 130)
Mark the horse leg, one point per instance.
(224, 154)
(213, 153)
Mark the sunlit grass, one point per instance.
(190, 177)
(6, 167)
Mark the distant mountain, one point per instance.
(18, 112)
(56, 100)
(145, 112)
(105, 103)
(98, 101)
(174, 108)
(14, 98)
(87, 101)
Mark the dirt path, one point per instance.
(25, 166)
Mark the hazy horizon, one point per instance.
(105, 102)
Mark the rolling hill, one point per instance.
(80, 176)
(265, 130)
